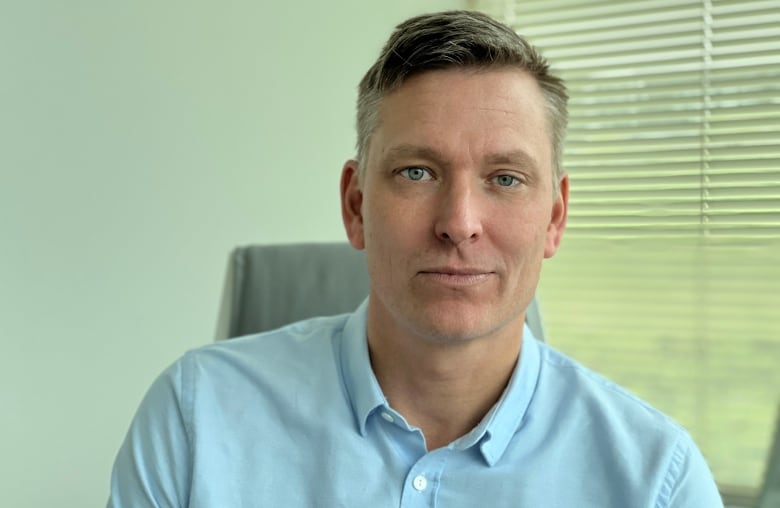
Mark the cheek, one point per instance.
(377, 224)
(522, 242)
(384, 238)
(518, 227)
(393, 222)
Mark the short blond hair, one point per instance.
(455, 39)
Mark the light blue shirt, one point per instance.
(296, 418)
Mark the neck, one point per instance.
(444, 388)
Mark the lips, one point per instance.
(456, 276)
(447, 270)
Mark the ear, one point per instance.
(352, 204)
(560, 211)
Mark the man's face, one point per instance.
(456, 208)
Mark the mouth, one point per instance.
(456, 276)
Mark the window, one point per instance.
(668, 279)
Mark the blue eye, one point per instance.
(416, 174)
(506, 180)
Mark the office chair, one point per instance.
(268, 286)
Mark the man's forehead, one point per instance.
(506, 90)
(499, 111)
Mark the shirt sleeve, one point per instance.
(689, 482)
(153, 466)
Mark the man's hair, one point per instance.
(456, 39)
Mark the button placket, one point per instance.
(422, 482)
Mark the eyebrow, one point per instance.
(513, 158)
(411, 151)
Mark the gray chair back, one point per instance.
(268, 286)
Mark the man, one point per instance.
(433, 393)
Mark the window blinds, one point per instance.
(674, 125)
(668, 278)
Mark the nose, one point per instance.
(458, 214)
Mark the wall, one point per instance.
(139, 142)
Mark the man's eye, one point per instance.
(416, 174)
(506, 180)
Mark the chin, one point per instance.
(453, 326)
(468, 320)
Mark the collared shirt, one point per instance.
(295, 417)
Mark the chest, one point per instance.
(323, 468)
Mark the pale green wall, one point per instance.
(139, 142)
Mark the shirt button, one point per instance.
(387, 416)
(419, 483)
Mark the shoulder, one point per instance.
(297, 346)
(583, 390)
(618, 438)
(258, 368)
(219, 400)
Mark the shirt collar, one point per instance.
(506, 417)
(361, 384)
(497, 427)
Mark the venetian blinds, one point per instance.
(668, 277)
(675, 127)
